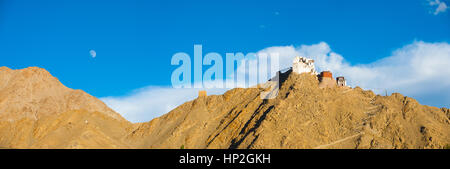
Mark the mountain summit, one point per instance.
(37, 111)
(301, 116)
(33, 93)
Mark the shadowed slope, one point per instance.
(302, 116)
(37, 111)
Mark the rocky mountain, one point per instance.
(301, 116)
(37, 111)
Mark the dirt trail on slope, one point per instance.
(37, 111)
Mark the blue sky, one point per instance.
(135, 40)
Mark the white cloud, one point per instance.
(439, 6)
(147, 103)
(420, 70)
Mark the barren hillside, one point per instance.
(37, 111)
(302, 116)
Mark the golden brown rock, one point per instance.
(37, 111)
(302, 116)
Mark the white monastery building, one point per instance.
(303, 65)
